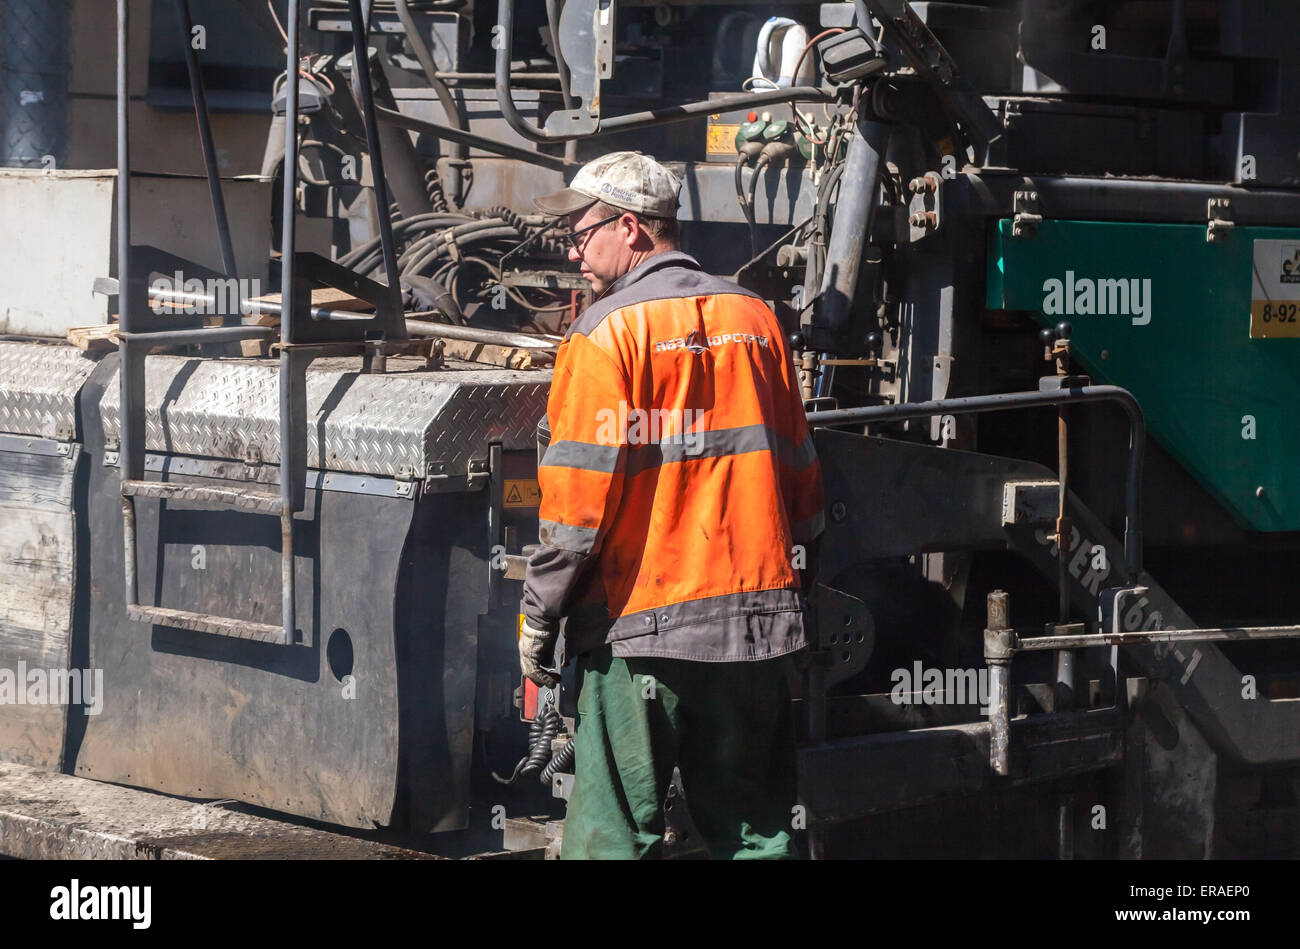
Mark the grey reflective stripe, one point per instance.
(809, 528)
(584, 455)
(567, 537)
(718, 444)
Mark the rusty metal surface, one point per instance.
(38, 387)
(203, 494)
(48, 816)
(38, 581)
(415, 422)
(206, 623)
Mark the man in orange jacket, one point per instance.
(681, 497)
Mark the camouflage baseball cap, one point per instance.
(627, 180)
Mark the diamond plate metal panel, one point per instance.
(433, 422)
(39, 384)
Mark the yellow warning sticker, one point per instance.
(1275, 290)
(722, 139)
(523, 493)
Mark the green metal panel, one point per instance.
(1184, 350)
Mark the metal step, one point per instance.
(261, 502)
(207, 623)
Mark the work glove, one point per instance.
(537, 655)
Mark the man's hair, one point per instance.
(662, 230)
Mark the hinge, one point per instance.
(405, 483)
(1219, 213)
(1027, 216)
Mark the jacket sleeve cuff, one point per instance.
(551, 578)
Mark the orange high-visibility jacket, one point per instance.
(680, 481)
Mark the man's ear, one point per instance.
(631, 228)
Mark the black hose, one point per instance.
(561, 763)
(540, 735)
(763, 162)
(745, 209)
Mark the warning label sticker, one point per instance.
(1275, 290)
(522, 493)
(722, 139)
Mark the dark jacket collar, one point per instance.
(672, 258)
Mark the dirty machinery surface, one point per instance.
(1040, 263)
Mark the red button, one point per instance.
(753, 116)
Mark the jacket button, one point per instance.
(649, 620)
(664, 618)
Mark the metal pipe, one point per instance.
(361, 87)
(199, 93)
(212, 334)
(1150, 637)
(123, 177)
(1020, 400)
(854, 211)
(491, 77)
(289, 205)
(998, 653)
(504, 149)
(288, 244)
(476, 334)
(634, 120)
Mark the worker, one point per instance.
(681, 498)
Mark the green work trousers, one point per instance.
(727, 725)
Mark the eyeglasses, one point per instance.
(575, 237)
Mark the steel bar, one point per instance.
(213, 334)
(476, 334)
(1020, 400)
(452, 134)
(634, 120)
(288, 362)
(1149, 637)
(199, 93)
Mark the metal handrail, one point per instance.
(1022, 400)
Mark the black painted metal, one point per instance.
(634, 120)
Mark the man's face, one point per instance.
(605, 253)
